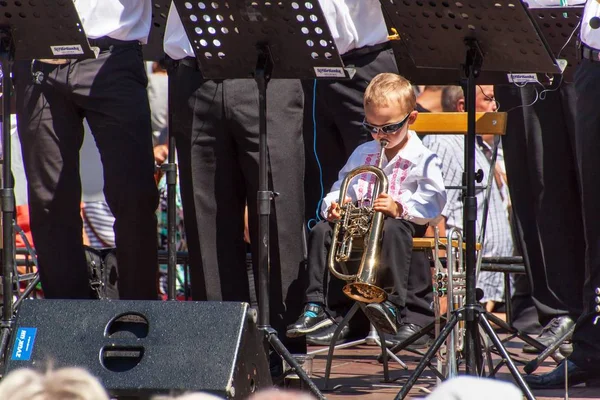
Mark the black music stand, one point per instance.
(153, 50)
(42, 30)
(558, 24)
(461, 36)
(262, 41)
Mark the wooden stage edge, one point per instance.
(361, 376)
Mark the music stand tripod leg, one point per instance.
(483, 321)
(170, 170)
(472, 313)
(262, 75)
(426, 360)
(8, 200)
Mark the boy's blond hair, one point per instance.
(389, 89)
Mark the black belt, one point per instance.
(105, 43)
(363, 51)
(591, 54)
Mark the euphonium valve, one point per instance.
(360, 222)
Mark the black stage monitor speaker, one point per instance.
(142, 348)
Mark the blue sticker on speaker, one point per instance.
(24, 344)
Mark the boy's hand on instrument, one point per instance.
(334, 212)
(386, 204)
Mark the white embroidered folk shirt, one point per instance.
(414, 175)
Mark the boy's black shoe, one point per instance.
(384, 316)
(312, 319)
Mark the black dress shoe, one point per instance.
(555, 379)
(323, 336)
(384, 316)
(312, 319)
(550, 333)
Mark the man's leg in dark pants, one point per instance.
(543, 180)
(286, 165)
(183, 81)
(51, 133)
(586, 343)
(112, 91)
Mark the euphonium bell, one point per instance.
(360, 222)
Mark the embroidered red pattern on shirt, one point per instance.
(366, 181)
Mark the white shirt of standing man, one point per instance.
(355, 23)
(119, 19)
(590, 25)
(176, 44)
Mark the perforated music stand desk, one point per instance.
(48, 29)
(557, 25)
(472, 37)
(262, 41)
(427, 50)
(153, 50)
(229, 39)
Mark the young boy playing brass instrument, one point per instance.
(416, 195)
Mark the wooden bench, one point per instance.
(426, 243)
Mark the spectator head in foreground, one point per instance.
(472, 388)
(60, 384)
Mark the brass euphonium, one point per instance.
(360, 222)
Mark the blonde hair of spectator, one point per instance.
(61, 384)
(276, 394)
(387, 89)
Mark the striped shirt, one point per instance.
(98, 223)
(498, 236)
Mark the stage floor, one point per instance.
(361, 376)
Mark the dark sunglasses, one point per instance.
(385, 129)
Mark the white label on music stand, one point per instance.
(522, 78)
(329, 72)
(67, 50)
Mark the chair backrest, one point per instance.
(455, 123)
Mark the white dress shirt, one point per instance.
(176, 44)
(590, 36)
(355, 23)
(414, 174)
(553, 3)
(118, 19)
